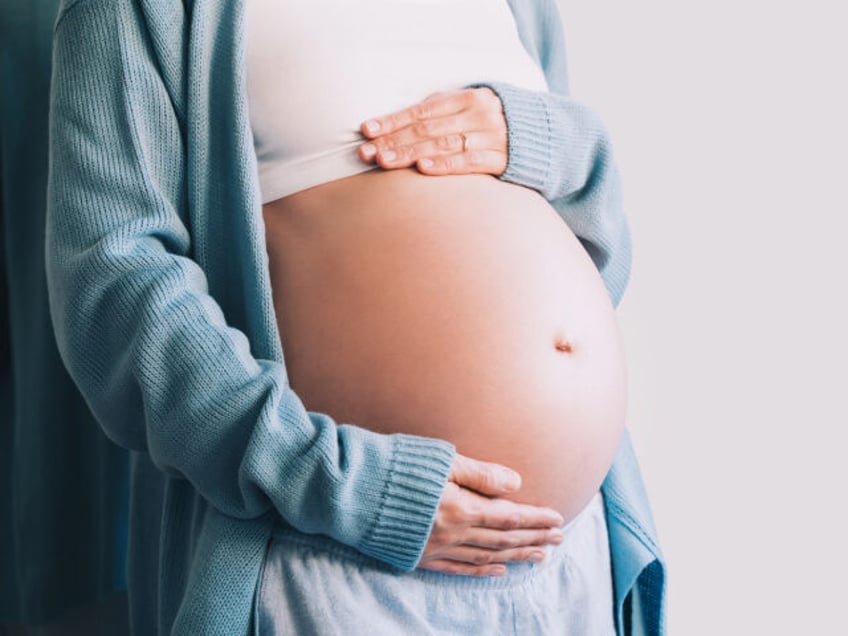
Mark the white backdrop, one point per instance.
(728, 120)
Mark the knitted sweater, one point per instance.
(161, 301)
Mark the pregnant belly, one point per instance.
(458, 307)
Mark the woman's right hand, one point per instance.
(475, 532)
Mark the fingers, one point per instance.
(472, 162)
(474, 529)
(443, 155)
(440, 156)
(480, 556)
(502, 514)
(513, 539)
(479, 562)
(484, 477)
(436, 105)
(468, 517)
(467, 569)
(428, 129)
(419, 138)
(428, 135)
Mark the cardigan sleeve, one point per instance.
(561, 148)
(150, 348)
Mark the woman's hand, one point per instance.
(475, 534)
(455, 132)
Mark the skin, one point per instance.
(475, 532)
(427, 135)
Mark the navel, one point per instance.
(563, 344)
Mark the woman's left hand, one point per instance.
(429, 135)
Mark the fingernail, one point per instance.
(372, 126)
(426, 163)
(558, 520)
(510, 480)
(369, 150)
(537, 556)
(557, 537)
(389, 155)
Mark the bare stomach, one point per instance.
(459, 307)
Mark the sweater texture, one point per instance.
(161, 301)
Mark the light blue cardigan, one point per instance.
(161, 301)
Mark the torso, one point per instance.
(459, 307)
(437, 306)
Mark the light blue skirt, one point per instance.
(314, 585)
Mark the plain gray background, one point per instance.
(728, 121)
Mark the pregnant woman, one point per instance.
(296, 342)
(459, 307)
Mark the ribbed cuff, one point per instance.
(530, 137)
(409, 502)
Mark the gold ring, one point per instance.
(464, 142)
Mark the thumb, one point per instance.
(484, 477)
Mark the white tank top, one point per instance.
(316, 69)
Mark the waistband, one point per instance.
(572, 548)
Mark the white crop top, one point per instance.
(316, 69)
